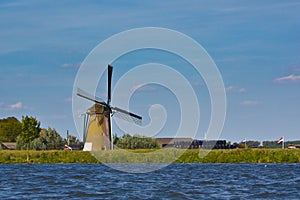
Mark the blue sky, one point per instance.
(255, 45)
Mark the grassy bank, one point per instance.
(245, 155)
(55, 156)
(156, 156)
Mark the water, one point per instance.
(177, 181)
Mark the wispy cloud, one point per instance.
(242, 90)
(290, 78)
(70, 65)
(249, 103)
(231, 89)
(16, 106)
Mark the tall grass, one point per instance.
(156, 156)
(53, 156)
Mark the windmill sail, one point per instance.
(128, 116)
(109, 75)
(118, 112)
(88, 96)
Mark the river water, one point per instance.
(176, 181)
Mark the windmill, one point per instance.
(97, 121)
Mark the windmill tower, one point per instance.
(97, 121)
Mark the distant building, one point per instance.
(169, 142)
(189, 143)
(201, 144)
(293, 146)
(8, 145)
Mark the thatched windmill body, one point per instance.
(97, 134)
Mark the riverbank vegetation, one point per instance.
(135, 142)
(154, 156)
(12, 130)
(43, 157)
(27, 134)
(45, 146)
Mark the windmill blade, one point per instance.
(90, 97)
(127, 116)
(109, 73)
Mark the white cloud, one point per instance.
(69, 65)
(291, 77)
(249, 103)
(242, 90)
(230, 89)
(66, 65)
(17, 105)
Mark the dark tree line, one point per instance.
(135, 142)
(250, 144)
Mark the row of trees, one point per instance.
(28, 134)
(249, 144)
(46, 140)
(135, 142)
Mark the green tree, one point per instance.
(115, 138)
(250, 144)
(72, 140)
(30, 130)
(48, 140)
(37, 144)
(10, 128)
(135, 142)
(253, 144)
(52, 139)
(271, 144)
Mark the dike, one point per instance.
(154, 156)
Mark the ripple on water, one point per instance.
(177, 181)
